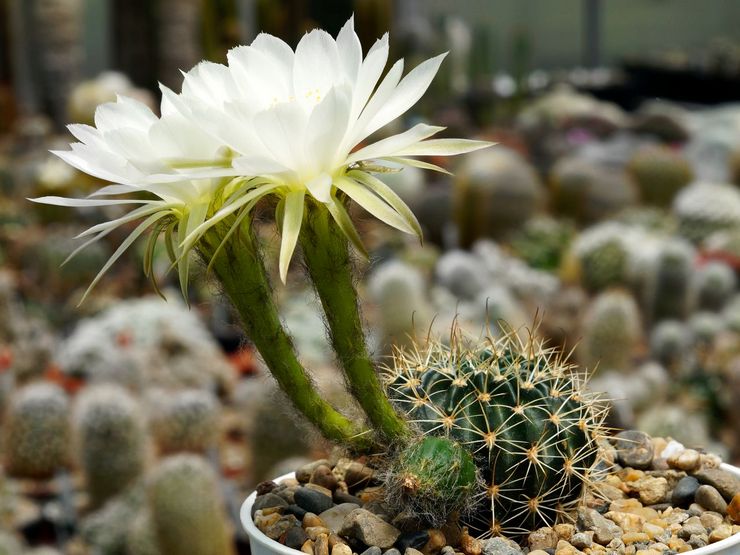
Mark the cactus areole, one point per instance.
(519, 410)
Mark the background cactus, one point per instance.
(659, 172)
(602, 257)
(112, 439)
(184, 420)
(714, 283)
(542, 242)
(107, 529)
(519, 409)
(496, 191)
(669, 343)
(611, 331)
(704, 208)
(186, 508)
(668, 281)
(37, 432)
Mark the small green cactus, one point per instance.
(668, 279)
(186, 508)
(496, 191)
(669, 343)
(521, 412)
(603, 256)
(705, 208)
(112, 439)
(715, 284)
(186, 420)
(542, 242)
(660, 172)
(37, 432)
(611, 331)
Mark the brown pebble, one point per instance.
(334, 540)
(543, 538)
(687, 460)
(564, 531)
(436, 542)
(341, 549)
(315, 531)
(311, 520)
(469, 544)
(722, 532)
(320, 489)
(321, 545)
(733, 509)
(322, 476)
(307, 547)
(265, 487)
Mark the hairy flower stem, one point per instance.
(326, 254)
(241, 272)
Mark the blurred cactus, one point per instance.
(434, 212)
(462, 273)
(715, 283)
(542, 242)
(496, 192)
(649, 218)
(611, 331)
(589, 192)
(37, 432)
(398, 290)
(106, 530)
(10, 544)
(112, 440)
(667, 286)
(659, 172)
(670, 343)
(602, 256)
(186, 508)
(186, 420)
(704, 327)
(704, 208)
(142, 538)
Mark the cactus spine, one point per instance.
(520, 411)
(186, 420)
(37, 432)
(186, 508)
(112, 441)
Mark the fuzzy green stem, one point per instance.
(241, 272)
(326, 254)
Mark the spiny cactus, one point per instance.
(112, 441)
(589, 192)
(398, 290)
(186, 508)
(660, 172)
(495, 193)
(37, 432)
(668, 280)
(704, 208)
(518, 409)
(185, 420)
(611, 331)
(715, 283)
(602, 256)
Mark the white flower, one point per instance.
(272, 122)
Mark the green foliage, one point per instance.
(521, 412)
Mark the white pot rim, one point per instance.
(262, 545)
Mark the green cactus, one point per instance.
(142, 539)
(186, 508)
(588, 192)
(112, 439)
(107, 529)
(37, 432)
(520, 411)
(496, 191)
(668, 281)
(542, 242)
(669, 343)
(611, 331)
(186, 420)
(660, 172)
(705, 208)
(715, 284)
(602, 256)
(704, 327)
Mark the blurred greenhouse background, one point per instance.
(607, 220)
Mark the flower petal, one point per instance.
(315, 69)
(370, 71)
(320, 187)
(373, 204)
(350, 49)
(85, 202)
(291, 227)
(443, 147)
(326, 128)
(416, 164)
(337, 211)
(395, 143)
(125, 112)
(389, 196)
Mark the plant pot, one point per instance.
(262, 545)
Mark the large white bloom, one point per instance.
(282, 123)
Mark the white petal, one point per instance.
(86, 134)
(281, 130)
(276, 49)
(327, 125)
(405, 95)
(84, 202)
(416, 164)
(316, 67)
(210, 83)
(390, 146)
(320, 187)
(258, 165)
(350, 49)
(373, 204)
(291, 227)
(387, 194)
(262, 79)
(125, 112)
(370, 71)
(443, 147)
(97, 163)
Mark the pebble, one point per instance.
(295, 537)
(684, 492)
(323, 476)
(265, 487)
(722, 532)
(538, 552)
(543, 538)
(358, 475)
(709, 498)
(334, 517)
(500, 546)
(341, 549)
(604, 530)
(295, 510)
(311, 520)
(343, 497)
(392, 551)
(303, 474)
(414, 540)
(733, 509)
(564, 531)
(469, 544)
(726, 483)
(321, 545)
(651, 490)
(695, 509)
(313, 501)
(369, 529)
(373, 550)
(448, 550)
(581, 540)
(698, 540)
(634, 449)
(267, 501)
(436, 542)
(307, 547)
(711, 519)
(412, 551)
(315, 531)
(274, 531)
(692, 526)
(687, 460)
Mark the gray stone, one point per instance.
(698, 540)
(372, 550)
(634, 449)
(581, 540)
(684, 492)
(268, 501)
(500, 546)
(709, 498)
(369, 529)
(412, 551)
(692, 526)
(303, 474)
(334, 517)
(543, 538)
(392, 551)
(727, 484)
(604, 529)
(313, 501)
(295, 537)
(276, 530)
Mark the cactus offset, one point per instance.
(112, 441)
(660, 172)
(186, 508)
(520, 410)
(185, 420)
(37, 432)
